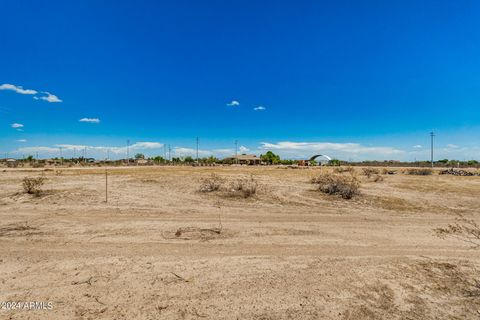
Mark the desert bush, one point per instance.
(377, 178)
(420, 172)
(210, 184)
(344, 169)
(463, 229)
(33, 185)
(387, 171)
(245, 187)
(347, 186)
(370, 171)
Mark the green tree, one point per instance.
(188, 159)
(139, 156)
(334, 162)
(270, 158)
(211, 160)
(158, 159)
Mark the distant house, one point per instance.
(249, 159)
(141, 162)
(11, 162)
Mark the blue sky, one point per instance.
(352, 79)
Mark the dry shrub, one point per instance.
(346, 186)
(245, 187)
(463, 229)
(211, 184)
(377, 178)
(420, 172)
(344, 169)
(33, 185)
(386, 171)
(370, 171)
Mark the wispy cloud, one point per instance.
(260, 108)
(417, 146)
(335, 150)
(49, 97)
(17, 125)
(39, 95)
(93, 149)
(233, 103)
(243, 149)
(17, 89)
(90, 120)
(22, 140)
(452, 146)
(183, 152)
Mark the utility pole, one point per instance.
(106, 186)
(61, 156)
(236, 151)
(169, 153)
(197, 150)
(128, 152)
(432, 135)
(165, 152)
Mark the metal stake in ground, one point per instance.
(106, 186)
(432, 134)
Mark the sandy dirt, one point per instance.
(160, 249)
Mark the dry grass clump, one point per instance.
(463, 229)
(370, 171)
(346, 186)
(420, 172)
(211, 184)
(377, 178)
(244, 187)
(33, 185)
(241, 187)
(387, 171)
(344, 169)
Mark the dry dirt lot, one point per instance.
(154, 251)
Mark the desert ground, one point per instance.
(161, 249)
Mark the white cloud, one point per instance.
(90, 120)
(98, 151)
(146, 145)
(417, 146)
(21, 140)
(17, 125)
(17, 89)
(346, 151)
(234, 103)
(259, 108)
(452, 146)
(243, 149)
(223, 152)
(40, 149)
(183, 152)
(49, 97)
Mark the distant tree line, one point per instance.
(269, 158)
